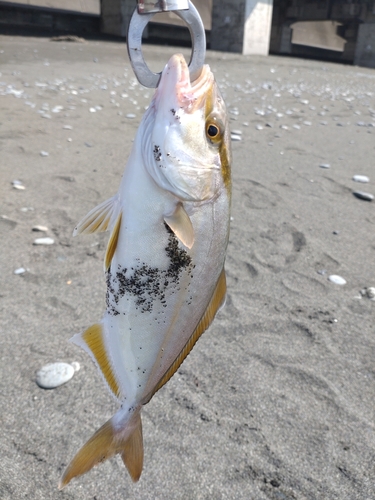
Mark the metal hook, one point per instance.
(138, 23)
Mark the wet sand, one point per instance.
(276, 401)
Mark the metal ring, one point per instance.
(138, 23)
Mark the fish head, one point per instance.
(188, 150)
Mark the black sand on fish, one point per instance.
(276, 401)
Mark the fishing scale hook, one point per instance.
(143, 13)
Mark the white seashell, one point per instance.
(54, 374)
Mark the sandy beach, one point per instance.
(277, 399)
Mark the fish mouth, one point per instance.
(176, 80)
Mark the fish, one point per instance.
(164, 263)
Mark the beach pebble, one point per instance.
(54, 374)
(369, 292)
(20, 187)
(259, 127)
(42, 229)
(20, 270)
(363, 196)
(67, 127)
(325, 165)
(44, 153)
(361, 178)
(337, 280)
(235, 137)
(130, 115)
(44, 241)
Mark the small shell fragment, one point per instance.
(363, 196)
(20, 270)
(44, 241)
(337, 280)
(361, 178)
(42, 229)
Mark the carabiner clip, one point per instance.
(141, 17)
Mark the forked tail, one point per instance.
(107, 442)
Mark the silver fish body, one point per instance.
(164, 264)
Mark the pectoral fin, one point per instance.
(100, 218)
(181, 225)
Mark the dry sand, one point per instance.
(276, 401)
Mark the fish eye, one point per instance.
(212, 131)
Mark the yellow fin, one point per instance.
(104, 444)
(132, 456)
(112, 243)
(99, 219)
(181, 225)
(92, 340)
(216, 302)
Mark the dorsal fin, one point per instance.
(112, 243)
(181, 225)
(92, 341)
(100, 218)
(216, 302)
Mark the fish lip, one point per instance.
(189, 94)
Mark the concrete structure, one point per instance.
(365, 48)
(54, 16)
(325, 29)
(337, 30)
(115, 16)
(82, 6)
(241, 26)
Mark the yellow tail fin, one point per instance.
(107, 442)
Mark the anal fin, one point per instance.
(181, 225)
(92, 341)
